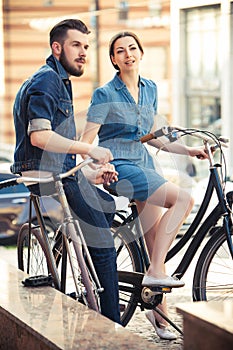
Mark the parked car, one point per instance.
(14, 209)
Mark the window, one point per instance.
(123, 10)
(203, 68)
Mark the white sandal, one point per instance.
(161, 330)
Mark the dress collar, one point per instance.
(119, 84)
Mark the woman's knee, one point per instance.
(187, 200)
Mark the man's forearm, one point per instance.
(53, 142)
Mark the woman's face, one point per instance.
(127, 54)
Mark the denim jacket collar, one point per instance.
(56, 65)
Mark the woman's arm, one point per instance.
(108, 174)
(177, 147)
(90, 132)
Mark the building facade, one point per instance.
(26, 24)
(202, 65)
(187, 44)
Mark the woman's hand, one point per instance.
(200, 152)
(104, 174)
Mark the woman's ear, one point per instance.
(112, 59)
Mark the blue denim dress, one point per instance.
(123, 123)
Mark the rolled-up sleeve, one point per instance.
(43, 100)
(38, 124)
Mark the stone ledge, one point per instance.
(43, 318)
(207, 325)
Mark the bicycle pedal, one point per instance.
(38, 281)
(150, 296)
(73, 295)
(161, 289)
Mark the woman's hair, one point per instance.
(59, 31)
(122, 35)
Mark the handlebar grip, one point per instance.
(147, 138)
(8, 183)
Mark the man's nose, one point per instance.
(83, 52)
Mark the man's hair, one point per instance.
(59, 31)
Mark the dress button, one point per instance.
(73, 156)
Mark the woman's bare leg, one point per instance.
(145, 217)
(164, 227)
(161, 227)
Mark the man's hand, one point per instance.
(101, 155)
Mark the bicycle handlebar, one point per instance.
(24, 179)
(173, 133)
(164, 131)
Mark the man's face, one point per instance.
(74, 52)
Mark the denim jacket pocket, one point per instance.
(65, 107)
(63, 122)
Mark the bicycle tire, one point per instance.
(213, 276)
(128, 259)
(39, 260)
(87, 287)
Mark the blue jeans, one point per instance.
(94, 210)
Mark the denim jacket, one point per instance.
(43, 102)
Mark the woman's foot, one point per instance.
(160, 329)
(163, 280)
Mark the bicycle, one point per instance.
(132, 257)
(212, 278)
(45, 257)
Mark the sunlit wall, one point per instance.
(2, 87)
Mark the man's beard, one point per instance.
(77, 72)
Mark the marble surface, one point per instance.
(219, 314)
(59, 321)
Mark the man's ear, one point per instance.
(56, 48)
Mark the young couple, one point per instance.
(120, 113)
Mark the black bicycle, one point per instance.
(213, 276)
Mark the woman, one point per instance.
(121, 112)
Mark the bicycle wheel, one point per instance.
(213, 277)
(39, 262)
(79, 282)
(128, 259)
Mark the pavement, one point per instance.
(139, 324)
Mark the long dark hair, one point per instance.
(59, 31)
(122, 35)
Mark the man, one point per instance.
(46, 142)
